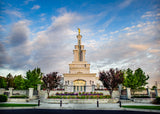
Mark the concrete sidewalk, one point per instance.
(111, 106)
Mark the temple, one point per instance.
(79, 78)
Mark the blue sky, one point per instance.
(116, 34)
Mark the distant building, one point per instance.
(79, 78)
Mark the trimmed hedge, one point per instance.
(19, 96)
(142, 96)
(3, 98)
(156, 101)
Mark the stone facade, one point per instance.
(79, 77)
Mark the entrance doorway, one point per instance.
(79, 85)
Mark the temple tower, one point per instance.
(79, 77)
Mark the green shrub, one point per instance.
(3, 98)
(156, 101)
(19, 96)
(141, 96)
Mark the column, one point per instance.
(30, 93)
(120, 88)
(156, 92)
(38, 87)
(10, 91)
(128, 93)
(93, 88)
(148, 91)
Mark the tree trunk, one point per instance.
(48, 91)
(111, 91)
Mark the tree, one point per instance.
(135, 80)
(110, 79)
(33, 78)
(3, 82)
(10, 80)
(154, 87)
(19, 82)
(51, 80)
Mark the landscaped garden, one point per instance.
(80, 95)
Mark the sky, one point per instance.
(115, 33)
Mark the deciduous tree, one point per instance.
(19, 82)
(135, 80)
(10, 80)
(51, 80)
(3, 82)
(110, 79)
(33, 78)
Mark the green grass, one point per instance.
(143, 107)
(17, 105)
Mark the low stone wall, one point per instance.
(143, 100)
(17, 100)
(81, 101)
(20, 92)
(2, 90)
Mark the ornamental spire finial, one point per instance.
(78, 30)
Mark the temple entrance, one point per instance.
(79, 85)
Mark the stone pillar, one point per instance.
(156, 92)
(39, 87)
(10, 91)
(128, 93)
(65, 88)
(120, 88)
(30, 93)
(148, 92)
(93, 88)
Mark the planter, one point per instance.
(18, 99)
(81, 101)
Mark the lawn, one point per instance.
(143, 107)
(17, 105)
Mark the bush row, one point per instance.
(140, 96)
(156, 101)
(81, 97)
(3, 98)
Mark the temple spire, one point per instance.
(79, 31)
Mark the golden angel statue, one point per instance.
(79, 30)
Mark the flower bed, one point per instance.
(80, 93)
(81, 97)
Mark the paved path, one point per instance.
(51, 111)
(111, 106)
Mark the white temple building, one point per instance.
(79, 78)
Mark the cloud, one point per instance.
(27, 1)
(114, 32)
(2, 28)
(125, 4)
(3, 56)
(19, 33)
(12, 12)
(35, 7)
(53, 46)
(138, 46)
(18, 45)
